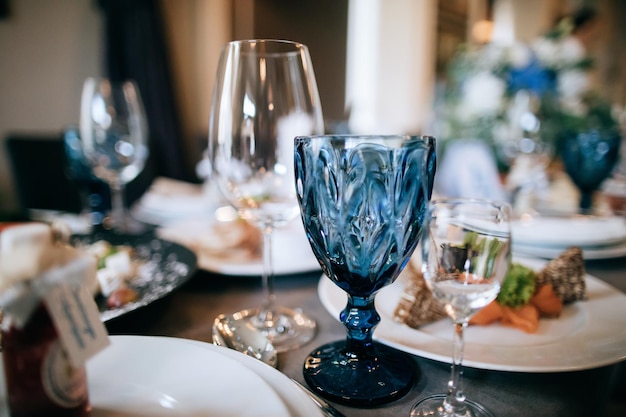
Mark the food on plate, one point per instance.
(117, 266)
(547, 301)
(417, 305)
(525, 296)
(491, 313)
(518, 287)
(121, 296)
(524, 317)
(233, 240)
(566, 274)
(229, 240)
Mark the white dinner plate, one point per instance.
(588, 334)
(589, 252)
(563, 232)
(296, 400)
(291, 252)
(155, 376)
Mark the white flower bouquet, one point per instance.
(491, 88)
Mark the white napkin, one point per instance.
(468, 169)
(169, 199)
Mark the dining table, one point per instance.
(189, 311)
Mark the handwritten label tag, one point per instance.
(77, 320)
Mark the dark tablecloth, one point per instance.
(190, 310)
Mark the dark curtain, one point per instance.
(135, 49)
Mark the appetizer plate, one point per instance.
(156, 376)
(588, 334)
(165, 267)
(227, 252)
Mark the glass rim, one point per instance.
(102, 79)
(499, 205)
(267, 47)
(366, 136)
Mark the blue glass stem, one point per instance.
(360, 318)
(359, 371)
(586, 201)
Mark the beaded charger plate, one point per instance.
(164, 266)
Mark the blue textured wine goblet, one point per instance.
(589, 158)
(362, 201)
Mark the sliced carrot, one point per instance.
(491, 313)
(547, 302)
(6, 225)
(525, 318)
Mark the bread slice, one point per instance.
(566, 273)
(417, 306)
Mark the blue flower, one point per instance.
(533, 77)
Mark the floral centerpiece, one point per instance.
(502, 92)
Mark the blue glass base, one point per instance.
(372, 377)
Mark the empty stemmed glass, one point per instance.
(528, 149)
(265, 94)
(465, 256)
(363, 200)
(114, 135)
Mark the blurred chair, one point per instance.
(38, 167)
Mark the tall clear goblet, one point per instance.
(114, 136)
(363, 200)
(265, 94)
(465, 256)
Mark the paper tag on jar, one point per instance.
(76, 317)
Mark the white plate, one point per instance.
(151, 376)
(588, 334)
(291, 252)
(296, 400)
(562, 232)
(599, 252)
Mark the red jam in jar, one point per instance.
(39, 378)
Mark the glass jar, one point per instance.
(39, 378)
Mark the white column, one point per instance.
(503, 22)
(522, 21)
(390, 70)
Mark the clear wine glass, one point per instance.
(363, 200)
(465, 256)
(527, 149)
(114, 135)
(265, 94)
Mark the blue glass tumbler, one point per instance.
(363, 200)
